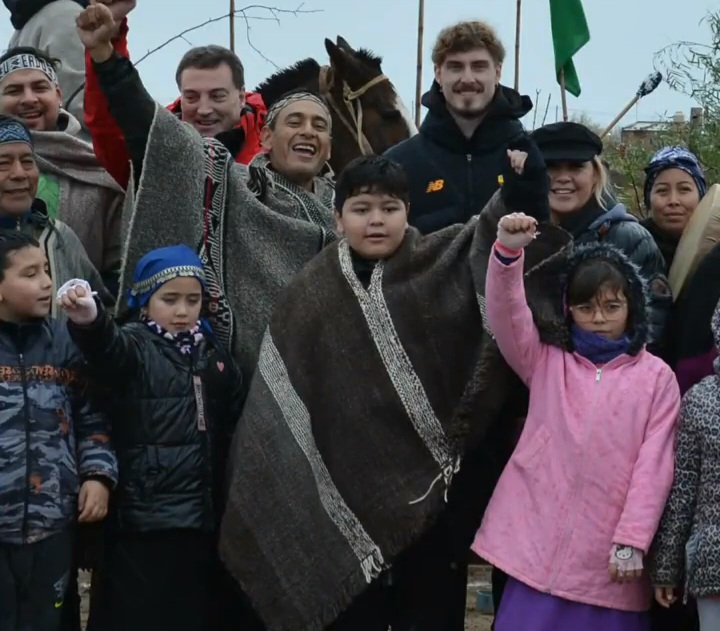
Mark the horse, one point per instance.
(368, 114)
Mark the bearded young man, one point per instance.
(74, 186)
(454, 163)
(254, 227)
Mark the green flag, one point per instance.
(570, 33)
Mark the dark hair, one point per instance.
(592, 275)
(12, 241)
(209, 58)
(466, 36)
(371, 174)
(29, 50)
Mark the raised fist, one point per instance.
(516, 230)
(96, 26)
(76, 298)
(119, 8)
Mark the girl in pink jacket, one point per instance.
(578, 504)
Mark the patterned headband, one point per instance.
(284, 101)
(27, 61)
(13, 131)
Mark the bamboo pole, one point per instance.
(563, 95)
(517, 45)
(616, 120)
(232, 25)
(418, 76)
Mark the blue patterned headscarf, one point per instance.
(673, 158)
(12, 130)
(158, 267)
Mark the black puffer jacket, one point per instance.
(452, 177)
(171, 467)
(619, 228)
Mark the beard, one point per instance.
(469, 101)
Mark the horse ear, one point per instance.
(338, 57)
(342, 43)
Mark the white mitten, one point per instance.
(77, 299)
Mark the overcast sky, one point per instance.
(625, 34)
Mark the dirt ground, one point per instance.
(474, 621)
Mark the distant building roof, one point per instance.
(648, 126)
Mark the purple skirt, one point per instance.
(523, 608)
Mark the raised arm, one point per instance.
(129, 103)
(107, 137)
(112, 353)
(508, 314)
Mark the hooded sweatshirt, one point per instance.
(452, 177)
(49, 25)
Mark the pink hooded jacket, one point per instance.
(594, 464)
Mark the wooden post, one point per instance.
(418, 76)
(517, 45)
(563, 95)
(232, 25)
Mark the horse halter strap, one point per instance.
(355, 122)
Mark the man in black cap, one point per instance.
(582, 203)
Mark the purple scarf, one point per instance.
(597, 348)
(185, 341)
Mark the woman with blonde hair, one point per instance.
(582, 203)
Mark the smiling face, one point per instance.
(673, 198)
(175, 306)
(468, 81)
(19, 177)
(31, 96)
(571, 185)
(299, 142)
(373, 223)
(210, 100)
(26, 287)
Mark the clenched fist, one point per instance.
(77, 301)
(516, 230)
(96, 28)
(119, 8)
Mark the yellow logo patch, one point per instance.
(435, 186)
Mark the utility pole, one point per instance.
(232, 25)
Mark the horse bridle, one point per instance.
(354, 123)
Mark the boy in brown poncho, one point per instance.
(375, 377)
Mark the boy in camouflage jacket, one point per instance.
(55, 457)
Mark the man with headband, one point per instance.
(49, 25)
(20, 210)
(254, 227)
(73, 184)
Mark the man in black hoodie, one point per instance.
(454, 163)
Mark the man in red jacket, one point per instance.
(211, 80)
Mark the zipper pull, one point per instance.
(597, 375)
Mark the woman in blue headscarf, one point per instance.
(175, 395)
(674, 186)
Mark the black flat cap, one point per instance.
(567, 142)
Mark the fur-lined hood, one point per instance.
(553, 276)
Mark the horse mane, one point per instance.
(369, 57)
(304, 73)
(301, 73)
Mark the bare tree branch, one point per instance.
(275, 15)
